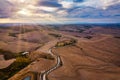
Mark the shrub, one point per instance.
(48, 56)
(13, 34)
(117, 37)
(81, 30)
(54, 35)
(88, 37)
(7, 54)
(66, 42)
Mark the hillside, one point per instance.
(86, 52)
(23, 38)
(89, 61)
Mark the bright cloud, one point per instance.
(102, 4)
(54, 10)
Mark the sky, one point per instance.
(59, 11)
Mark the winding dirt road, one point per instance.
(44, 74)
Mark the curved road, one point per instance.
(44, 74)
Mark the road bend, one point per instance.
(44, 74)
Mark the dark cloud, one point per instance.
(5, 9)
(49, 3)
(90, 12)
(4, 14)
(113, 7)
(78, 0)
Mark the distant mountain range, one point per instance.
(82, 24)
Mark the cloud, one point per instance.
(90, 12)
(6, 9)
(91, 9)
(78, 0)
(49, 3)
(53, 9)
(23, 2)
(100, 4)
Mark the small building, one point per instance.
(25, 53)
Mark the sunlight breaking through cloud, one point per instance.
(51, 10)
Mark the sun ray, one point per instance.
(19, 39)
(22, 1)
(24, 12)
